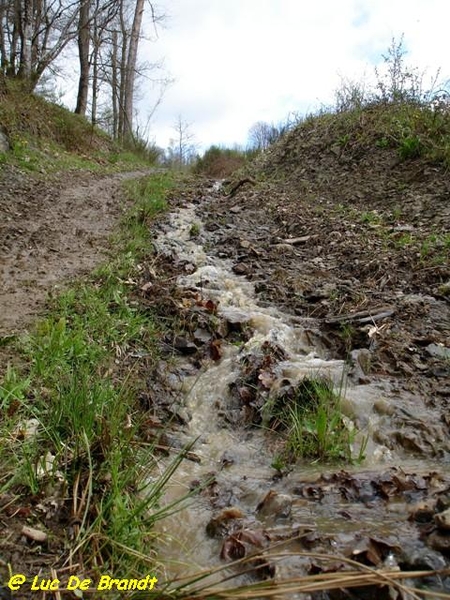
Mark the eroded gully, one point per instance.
(330, 510)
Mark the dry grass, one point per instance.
(352, 575)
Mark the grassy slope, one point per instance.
(45, 137)
(385, 137)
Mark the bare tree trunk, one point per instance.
(130, 72)
(38, 27)
(83, 56)
(94, 84)
(180, 141)
(11, 71)
(25, 34)
(3, 53)
(122, 75)
(114, 85)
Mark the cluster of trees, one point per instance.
(105, 34)
(34, 34)
(261, 135)
(219, 161)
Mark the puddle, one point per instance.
(392, 423)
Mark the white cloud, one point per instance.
(239, 61)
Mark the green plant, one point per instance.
(371, 217)
(382, 142)
(435, 247)
(194, 230)
(362, 450)
(399, 82)
(13, 388)
(403, 240)
(313, 421)
(279, 462)
(350, 95)
(315, 424)
(425, 248)
(347, 333)
(410, 147)
(396, 213)
(344, 139)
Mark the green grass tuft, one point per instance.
(314, 424)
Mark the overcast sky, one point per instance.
(236, 62)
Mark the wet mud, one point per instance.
(267, 296)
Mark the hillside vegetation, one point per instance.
(379, 145)
(379, 141)
(41, 136)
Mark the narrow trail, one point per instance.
(51, 232)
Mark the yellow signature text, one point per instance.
(106, 582)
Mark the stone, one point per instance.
(36, 535)
(184, 346)
(4, 142)
(240, 269)
(225, 522)
(201, 336)
(442, 520)
(275, 505)
(422, 512)
(438, 350)
(439, 541)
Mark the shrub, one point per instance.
(220, 162)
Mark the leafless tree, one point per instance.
(261, 135)
(130, 71)
(33, 35)
(84, 35)
(183, 147)
(97, 34)
(120, 67)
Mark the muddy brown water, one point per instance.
(332, 510)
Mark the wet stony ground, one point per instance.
(372, 279)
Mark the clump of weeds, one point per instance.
(313, 424)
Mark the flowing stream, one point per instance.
(389, 422)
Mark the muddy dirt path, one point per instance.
(51, 231)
